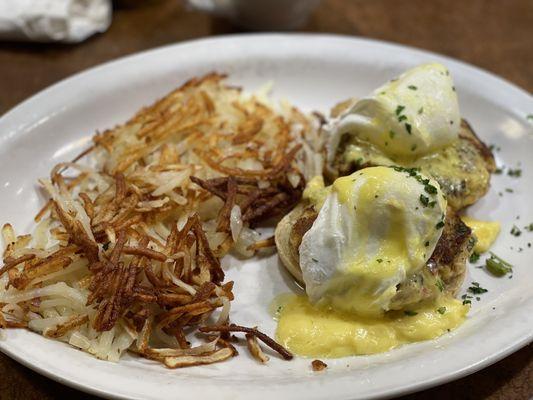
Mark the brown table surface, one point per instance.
(493, 34)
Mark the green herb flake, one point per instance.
(466, 299)
(496, 266)
(314, 260)
(529, 117)
(410, 313)
(440, 284)
(498, 171)
(413, 147)
(476, 289)
(399, 109)
(427, 243)
(440, 225)
(509, 190)
(529, 227)
(412, 87)
(392, 134)
(424, 200)
(379, 260)
(515, 173)
(474, 257)
(402, 118)
(430, 189)
(106, 246)
(408, 128)
(420, 110)
(515, 231)
(441, 310)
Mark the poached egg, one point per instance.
(374, 229)
(407, 117)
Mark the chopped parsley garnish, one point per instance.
(413, 147)
(399, 109)
(440, 284)
(496, 266)
(106, 246)
(314, 260)
(498, 171)
(453, 88)
(529, 117)
(509, 190)
(515, 231)
(476, 289)
(420, 110)
(466, 299)
(426, 244)
(439, 225)
(391, 134)
(441, 310)
(410, 313)
(379, 260)
(430, 189)
(402, 118)
(412, 87)
(408, 128)
(515, 173)
(474, 257)
(529, 227)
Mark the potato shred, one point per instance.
(126, 253)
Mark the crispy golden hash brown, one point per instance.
(126, 253)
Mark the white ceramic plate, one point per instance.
(313, 72)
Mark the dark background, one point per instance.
(496, 35)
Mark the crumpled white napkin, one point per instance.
(53, 20)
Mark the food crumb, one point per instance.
(318, 365)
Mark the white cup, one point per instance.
(260, 14)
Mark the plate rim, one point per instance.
(469, 68)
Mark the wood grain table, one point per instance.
(493, 34)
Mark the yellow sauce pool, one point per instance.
(313, 332)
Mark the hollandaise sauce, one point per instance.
(485, 232)
(310, 331)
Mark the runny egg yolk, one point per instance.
(311, 331)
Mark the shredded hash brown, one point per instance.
(126, 252)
